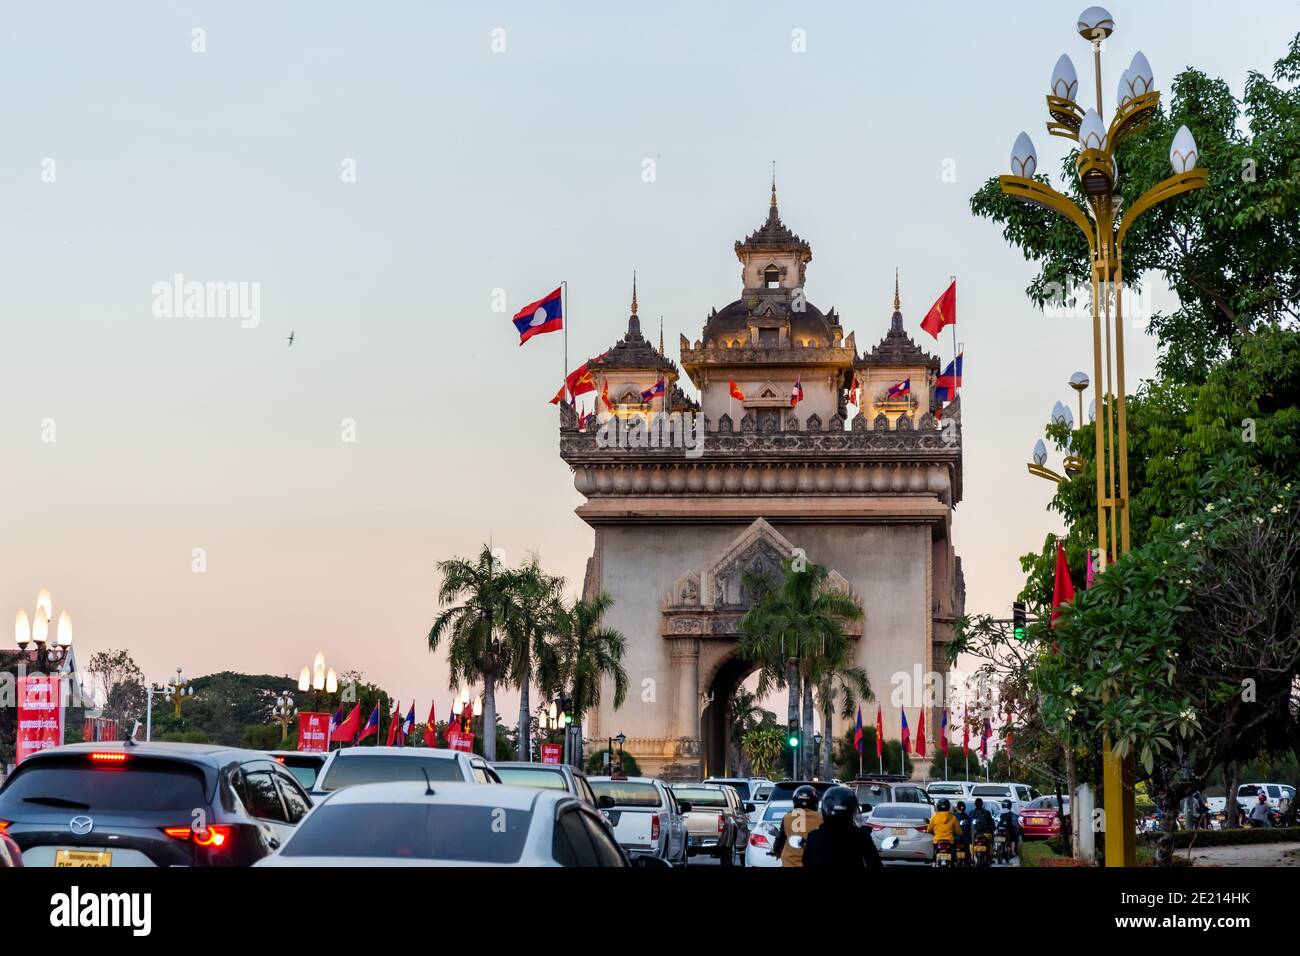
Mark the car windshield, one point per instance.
(946, 789)
(415, 831)
(990, 790)
(135, 785)
(786, 788)
(920, 811)
(1044, 803)
(628, 794)
(527, 777)
(700, 797)
(376, 768)
(762, 793)
(304, 775)
(776, 811)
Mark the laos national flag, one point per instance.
(655, 390)
(943, 732)
(408, 724)
(902, 388)
(544, 315)
(857, 732)
(946, 385)
(907, 735)
(372, 725)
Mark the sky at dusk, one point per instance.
(135, 442)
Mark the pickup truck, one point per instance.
(717, 824)
(647, 820)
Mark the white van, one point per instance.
(994, 793)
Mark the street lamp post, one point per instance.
(178, 689)
(621, 738)
(317, 679)
(1104, 224)
(283, 711)
(33, 637)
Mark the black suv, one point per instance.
(149, 804)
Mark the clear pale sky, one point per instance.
(475, 171)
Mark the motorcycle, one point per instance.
(943, 853)
(980, 848)
(1002, 845)
(961, 853)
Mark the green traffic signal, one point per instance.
(794, 740)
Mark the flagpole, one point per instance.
(564, 294)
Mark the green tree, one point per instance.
(474, 650)
(117, 677)
(533, 618)
(629, 767)
(763, 748)
(588, 653)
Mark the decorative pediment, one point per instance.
(759, 550)
(685, 592)
(813, 423)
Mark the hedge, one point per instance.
(1237, 837)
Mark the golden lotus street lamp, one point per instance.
(1105, 223)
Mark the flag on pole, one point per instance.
(336, 719)
(372, 725)
(796, 396)
(985, 733)
(857, 733)
(853, 390)
(880, 732)
(544, 315)
(943, 312)
(408, 725)
(920, 734)
(654, 390)
(943, 732)
(1063, 588)
(394, 725)
(946, 385)
(965, 732)
(1008, 734)
(347, 730)
(452, 729)
(431, 729)
(907, 734)
(900, 389)
(734, 390)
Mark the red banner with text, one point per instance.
(313, 732)
(551, 753)
(40, 718)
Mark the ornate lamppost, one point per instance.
(283, 711)
(1104, 223)
(318, 680)
(33, 637)
(178, 689)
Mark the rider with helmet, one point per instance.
(943, 824)
(839, 841)
(796, 825)
(1011, 823)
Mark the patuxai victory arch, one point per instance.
(678, 523)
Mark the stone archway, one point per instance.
(716, 719)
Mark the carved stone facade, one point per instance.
(870, 496)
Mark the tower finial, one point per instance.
(896, 289)
(634, 292)
(774, 184)
(661, 335)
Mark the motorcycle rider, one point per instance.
(944, 825)
(1258, 816)
(981, 823)
(796, 826)
(839, 841)
(1008, 821)
(964, 819)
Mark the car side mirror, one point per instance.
(750, 808)
(605, 801)
(651, 863)
(684, 806)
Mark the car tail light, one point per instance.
(877, 826)
(922, 829)
(654, 826)
(4, 825)
(279, 760)
(108, 757)
(758, 839)
(722, 823)
(215, 836)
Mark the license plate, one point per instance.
(898, 831)
(943, 856)
(77, 858)
(1038, 820)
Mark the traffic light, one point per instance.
(793, 737)
(1018, 620)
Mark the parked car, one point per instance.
(885, 788)
(548, 776)
(646, 818)
(1248, 794)
(759, 799)
(304, 765)
(149, 804)
(349, 766)
(1038, 817)
(10, 855)
(784, 791)
(758, 851)
(907, 822)
(718, 822)
(450, 824)
(746, 787)
(994, 793)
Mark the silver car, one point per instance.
(899, 830)
(449, 824)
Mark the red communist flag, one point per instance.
(346, 732)
(880, 732)
(1063, 589)
(943, 312)
(920, 734)
(430, 729)
(735, 391)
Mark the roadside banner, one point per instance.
(551, 753)
(40, 718)
(313, 732)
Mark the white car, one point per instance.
(954, 790)
(448, 824)
(646, 817)
(994, 793)
(1248, 794)
(906, 823)
(349, 766)
(762, 837)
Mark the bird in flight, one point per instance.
(290, 338)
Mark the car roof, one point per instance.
(211, 754)
(450, 792)
(436, 753)
(922, 807)
(605, 779)
(699, 786)
(533, 765)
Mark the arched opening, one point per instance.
(772, 277)
(716, 721)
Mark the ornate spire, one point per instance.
(773, 205)
(896, 320)
(661, 335)
(634, 292)
(896, 307)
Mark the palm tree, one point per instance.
(589, 652)
(839, 680)
(789, 629)
(533, 617)
(474, 651)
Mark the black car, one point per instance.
(303, 764)
(149, 804)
